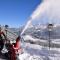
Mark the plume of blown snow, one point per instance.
(40, 9)
(27, 25)
(48, 10)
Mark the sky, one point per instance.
(15, 13)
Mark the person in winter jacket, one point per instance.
(2, 39)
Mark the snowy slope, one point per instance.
(37, 52)
(40, 51)
(53, 42)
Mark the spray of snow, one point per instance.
(48, 10)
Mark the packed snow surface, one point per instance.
(37, 52)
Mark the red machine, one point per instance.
(17, 45)
(15, 49)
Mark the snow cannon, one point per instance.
(15, 49)
(17, 45)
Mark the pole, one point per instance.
(49, 40)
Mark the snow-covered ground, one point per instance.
(28, 37)
(37, 52)
(57, 41)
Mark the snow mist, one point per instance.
(48, 10)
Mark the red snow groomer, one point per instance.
(15, 49)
